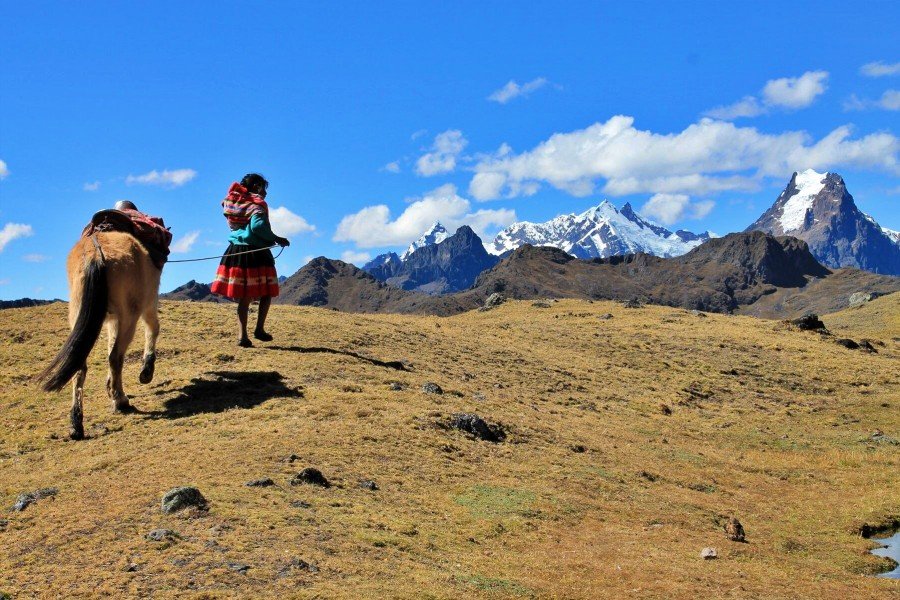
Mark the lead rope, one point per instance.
(224, 255)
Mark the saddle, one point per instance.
(151, 232)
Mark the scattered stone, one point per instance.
(369, 485)
(238, 567)
(605, 317)
(297, 564)
(847, 343)
(310, 476)
(665, 409)
(734, 530)
(4, 523)
(860, 298)
(698, 313)
(479, 397)
(648, 476)
(396, 387)
(432, 388)
(478, 427)
(709, 554)
(264, 482)
(183, 497)
(131, 567)
(494, 300)
(633, 303)
(27, 499)
(808, 322)
(877, 436)
(541, 304)
(577, 448)
(161, 535)
(301, 504)
(867, 346)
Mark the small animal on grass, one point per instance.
(113, 273)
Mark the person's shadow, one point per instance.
(217, 391)
(387, 364)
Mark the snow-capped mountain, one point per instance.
(435, 235)
(601, 231)
(818, 209)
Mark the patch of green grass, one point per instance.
(486, 501)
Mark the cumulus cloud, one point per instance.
(373, 227)
(880, 69)
(184, 244)
(442, 156)
(418, 133)
(4, 170)
(91, 187)
(890, 100)
(14, 231)
(708, 156)
(787, 92)
(164, 178)
(35, 258)
(286, 223)
(671, 208)
(514, 90)
(391, 167)
(356, 258)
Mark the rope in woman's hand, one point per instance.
(232, 254)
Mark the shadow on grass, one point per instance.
(389, 364)
(221, 390)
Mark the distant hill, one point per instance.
(193, 291)
(817, 208)
(24, 302)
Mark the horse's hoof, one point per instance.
(76, 435)
(125, 409)
(146, 375)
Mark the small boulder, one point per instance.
(310, 476)
(297, 564)
(734, 530)
(369, 485)
(27, 499)
(859, 298)
(709, 554)
(605, 316)
(238, 567)
(541, 304)
(432, 388)
(494, 300)
(808, 322)
(183, 497)
(396, 386)
(847, 343)
(161, 535)
(477, 427)
(633, 303)
(264, 482)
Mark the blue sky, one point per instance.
(372, 119)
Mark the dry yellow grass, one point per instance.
(768, 424)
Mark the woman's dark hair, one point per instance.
(255, 183)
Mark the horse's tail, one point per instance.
(73, 355)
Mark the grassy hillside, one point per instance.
(629, 440)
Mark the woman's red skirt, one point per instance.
(243, 274)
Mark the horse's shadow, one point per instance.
(218, 391)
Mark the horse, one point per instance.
(112, 280)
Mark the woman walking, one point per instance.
(247, 271)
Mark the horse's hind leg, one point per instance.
(121, 332)
(151, 332)
(77, 414)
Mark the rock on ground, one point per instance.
(860, 298)
(432, 388)
(494, 300)
(709, 553)
(310, 476)
(264, 482)
(478, 427)
(734, 530)
(808, 322)
(183, 497)
(29, 498)
(161, 535)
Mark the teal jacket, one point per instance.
(257, 233)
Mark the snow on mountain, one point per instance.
(600, 231)
(793, 212)
(894, 235)
(435, 235)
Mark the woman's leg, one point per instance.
(264, 303)
(242, 310)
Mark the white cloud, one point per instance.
(787, 92)
(748, 106)
(184, 244)
(890, 100)
(356, 258)
(35, 258)
(514, 90)
(671, 208)
(706, 157)
(91, 187)
(391, 167)
(164, 178)
(417, 134)
(4, 281)
(13, 231)
(795, 92)
(442, 158)
(286, 223)
(880, 69)
(372, 226)
(4, 170)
